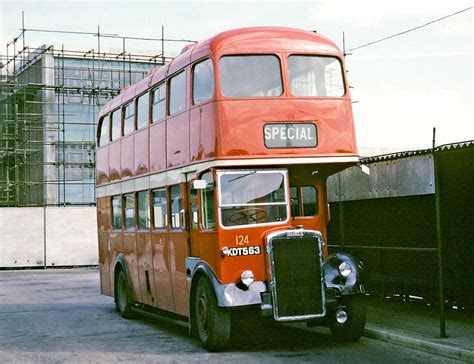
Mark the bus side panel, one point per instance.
(177, 254)
(103, 228)
(161, 270)
(102, 166)
(158, 147)
(177, 140)
(145, 268)
(203, 139)
(205, 245)
(114, 157)
(126, 161)
(141, 159)
(130, 253)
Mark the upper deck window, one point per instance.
(203, 82)
(159, 103)
(177, 100)
(252, 197)
(315, 76)
(128, 118)
(104, 131)
(116, 124)
(251, 76)
(142, 111)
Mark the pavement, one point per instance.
(416, 326)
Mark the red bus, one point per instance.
(211, 186)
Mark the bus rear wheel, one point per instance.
(355, 309)
(212, 323)
(123, 295)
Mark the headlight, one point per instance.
(247, 277)
(345, 269)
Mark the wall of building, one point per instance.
(59, 236)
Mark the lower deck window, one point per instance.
(117, 212)
(129, 209)
(176, 200)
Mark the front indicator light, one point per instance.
(345, 269)
(247, 277)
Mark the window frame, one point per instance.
(119, 110)
(301, 204)
(124, 224)
(320, 56)
(152, 103)
(137, 114)
(281, 64)
(112, 215)
(167, 220)
(101, 122)
(169, 94)
(137, 198)
(212, 97)
(130, 103)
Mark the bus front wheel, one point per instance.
(212, 322)
(353, 328)
(123, 295)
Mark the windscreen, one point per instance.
(252, 197)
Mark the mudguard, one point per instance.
(353, 284)
(121, 262)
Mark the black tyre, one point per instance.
(212, 323)
(353, 328)
(123, 295)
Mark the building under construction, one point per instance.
(49, 101)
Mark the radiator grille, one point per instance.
(296, 276)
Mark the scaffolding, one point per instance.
(49, 100)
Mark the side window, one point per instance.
(203, 82)
(143, 212)
(104, 130)
(142, 111)
(176, 202)
(117, 212)
(208, 212)
(159, 103)
(128, 118)
(304, 201)
(177, 97)
(129, 209)
(116, 124)
(160, 209)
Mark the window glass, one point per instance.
(177, 101)
(207, 203)
(315, 76)
(252, 197)
(143, 213)
(250, 76)
(117, 212)
(194, 216)
(128, 118)
(176, 201)
(203, 82)
(142, 111)
(159, 103)
(160, 209)
(116, 124)
(104, 131)
(129, 209)
(304, 201)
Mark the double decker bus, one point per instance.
(211, 186)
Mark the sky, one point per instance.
(401, 87)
